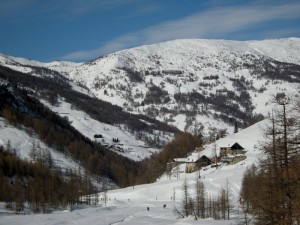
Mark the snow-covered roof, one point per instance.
(180, 159)
(234, 145)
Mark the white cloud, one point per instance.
(213, 23)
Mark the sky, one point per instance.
(82, 30)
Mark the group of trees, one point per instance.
(43, 189)
(281, 71)
(156, 95)
(232, 107)
(41, 155)
(204, 206)
(271, 190)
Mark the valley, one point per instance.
(111, 125)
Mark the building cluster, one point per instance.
(230, 154)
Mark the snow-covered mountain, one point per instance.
(195, 85)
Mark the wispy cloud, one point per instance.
(214, 23)
(66, 9)
(75, 8)
(11, 7)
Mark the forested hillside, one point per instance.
(21, 108)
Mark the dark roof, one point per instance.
(236, 146)
(203, 158)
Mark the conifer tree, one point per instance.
(33, 152)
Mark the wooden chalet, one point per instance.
(232, 154)
(234, 149)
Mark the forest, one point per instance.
(43, 189)
(271, 190)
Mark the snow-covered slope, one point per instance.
(22, 142)
(60, 66)
(128, 206)
(284, 50)
(128, 145)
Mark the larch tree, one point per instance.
(276, 198)
(200, 198)
(185, 202)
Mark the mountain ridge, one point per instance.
(169, 80)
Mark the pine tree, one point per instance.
(33, 152)
(104, 193)
(8, 146)
(47, 158)
(236, 129)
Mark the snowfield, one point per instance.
(129, 205)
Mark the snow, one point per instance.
(285, 50)
(122, 213)
(79, 89)
(128, 205)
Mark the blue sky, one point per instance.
(81, 30)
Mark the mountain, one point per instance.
(51, 116)
(200, 86)
(134, 135)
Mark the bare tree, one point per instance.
(228, 195)
(200, 198)
(104, 193)
(185, 202)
